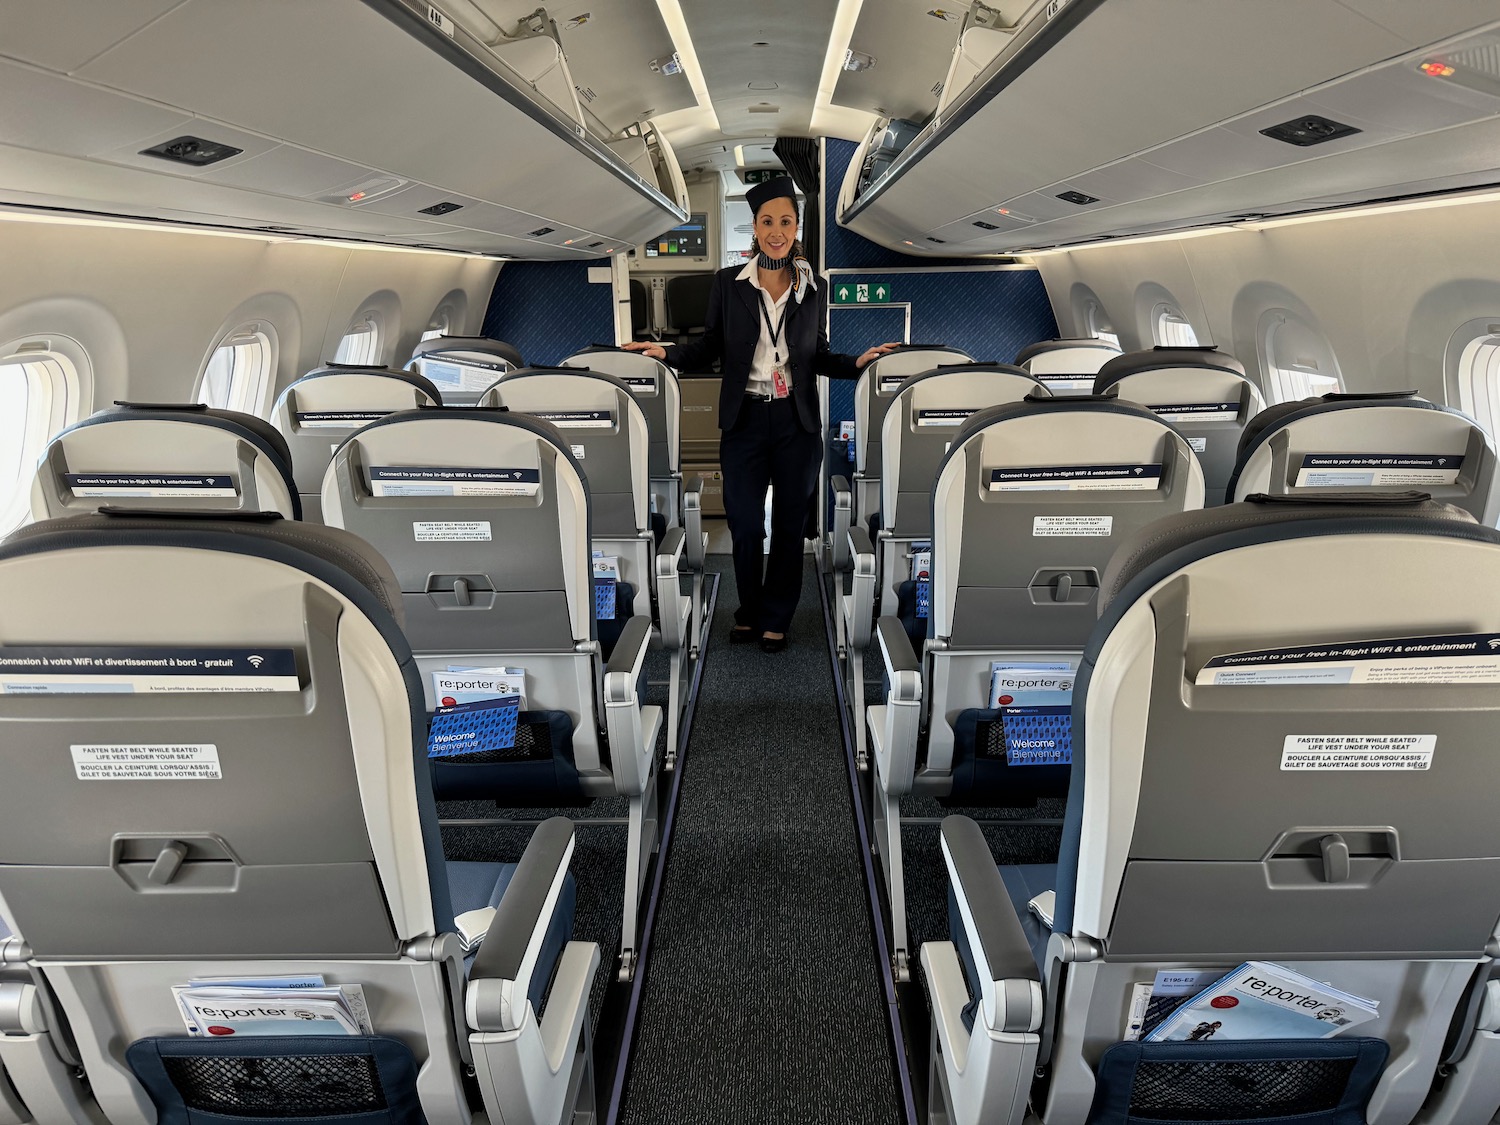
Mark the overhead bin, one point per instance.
(361, 118)
(1068, 136)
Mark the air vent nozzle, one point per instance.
(192, 150)
(1077, 197)
(982, 225)
(540, 232)
(1309, 130)
(446, 207)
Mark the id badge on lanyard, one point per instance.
(781, 386)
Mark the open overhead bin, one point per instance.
(384, 120)
(1099, 120)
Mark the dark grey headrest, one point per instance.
(483, 344)
(1133, 363)
(344, 550)
(1161, 538)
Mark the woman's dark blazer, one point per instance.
(732, 331)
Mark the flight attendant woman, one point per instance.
(765, 324)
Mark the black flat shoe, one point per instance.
(741, 635)
(773, 644)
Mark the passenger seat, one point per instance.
(1389, 442)
(1200, 390)
(316, 412)
(283, 830)
(462, 367)
(1067, 366)
(166, 456)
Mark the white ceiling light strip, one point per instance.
(687, 55)
(826, 117)
(15, 216)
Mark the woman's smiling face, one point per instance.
(776, 227)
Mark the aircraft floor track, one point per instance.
(761, 1000)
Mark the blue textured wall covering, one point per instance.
(549, 310)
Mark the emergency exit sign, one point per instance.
(763, 175)
(862, 293)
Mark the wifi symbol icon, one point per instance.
(256, 661)
(1493, 643)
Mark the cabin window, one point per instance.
(239, 372)
(1097, 325)
(39, 395)
(1170, 328)
(361, 344)
(441, 324)
(1479, 378)
(1296, 360)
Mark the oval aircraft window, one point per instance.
(238, 375)
(1477, 376)
(1098, 325)
(1297, 361)
(38, 397)
(1171, 329)
(361, 344)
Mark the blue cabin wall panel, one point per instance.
(549, 310)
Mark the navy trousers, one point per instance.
(768, 448)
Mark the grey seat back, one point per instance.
(316, 412)
(1028, 506)
(284, 829)
(1380, 443)
(1320, 800)
(1067, 366)
(461, 367)
(1201, 391)
(166, 456)
(655, 388)
(607, 434)
(687, 302)
(919, 426)
(873, 391)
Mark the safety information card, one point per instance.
(413, 480)
(114, 670)
(1075, 478)
(1377, 470)
(1456, 658)
(154, 485)
(469, 375)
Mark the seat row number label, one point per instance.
(1358, 751)
(146, 762)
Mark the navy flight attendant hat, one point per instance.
(779, 188)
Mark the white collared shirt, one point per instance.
(765, 351)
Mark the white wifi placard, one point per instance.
(1075, 478)
(1447, 658)
(436, 480)
(119, 670)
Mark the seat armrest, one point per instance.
(843, 515)
(625, 663)
(901, 663)
(631, 758)
(1009, 981)
(513, 943)
(669, 554)
(692, 518)
(860, 554)
(896, 727)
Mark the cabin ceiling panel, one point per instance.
(912, 50)
(29, 30)
(1424, 21)
(46, 111)
(257, 75)
(796, 33)
(1158, 141)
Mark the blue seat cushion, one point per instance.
(476, 885)
(1023, 882)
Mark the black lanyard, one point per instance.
(774, 329)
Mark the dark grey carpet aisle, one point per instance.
(762, 1001)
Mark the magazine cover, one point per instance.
(1263, 1001)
